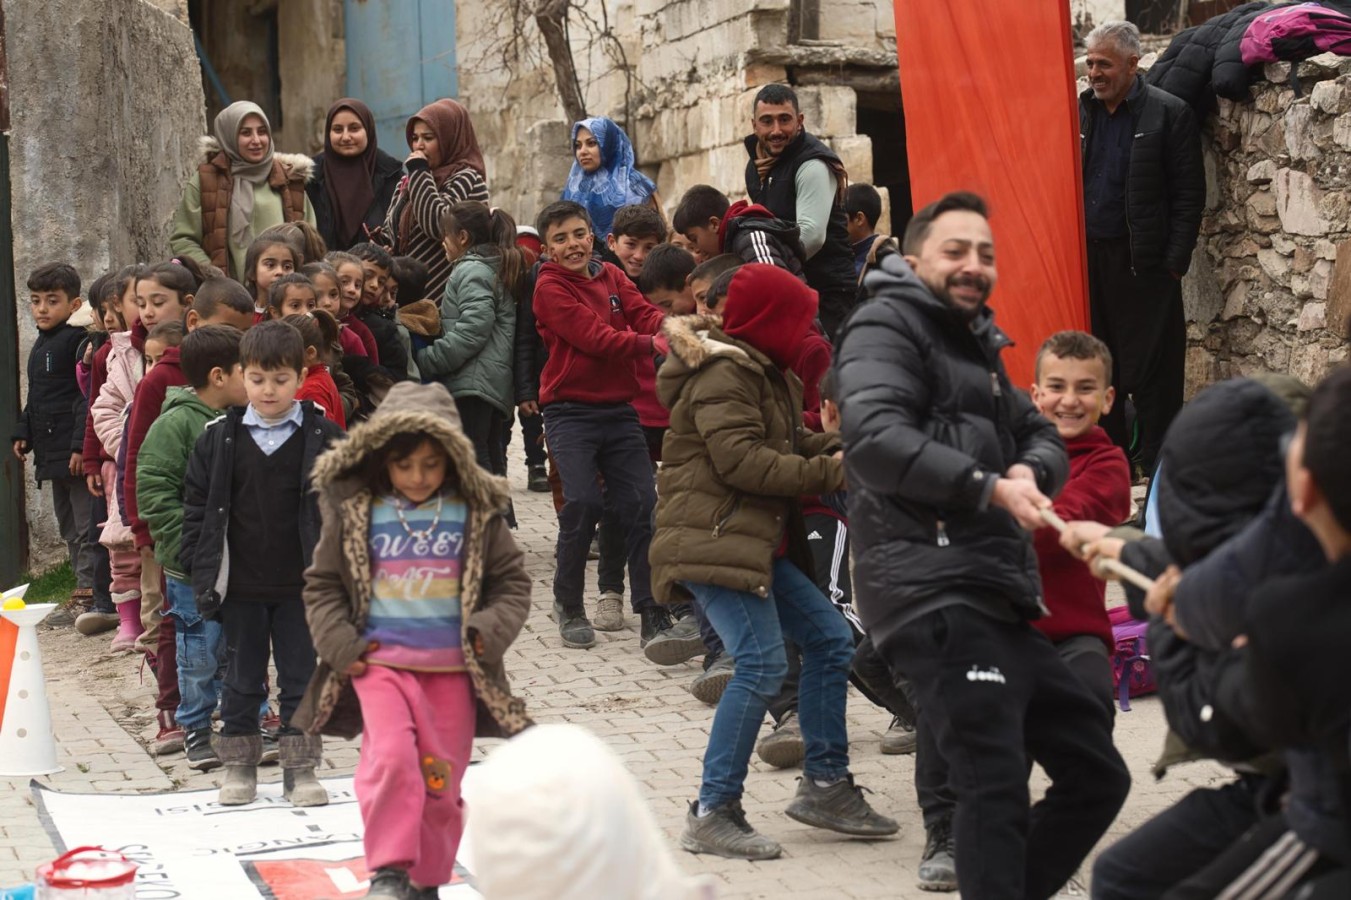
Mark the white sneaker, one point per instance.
(609, 612)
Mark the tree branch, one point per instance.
(551, 17)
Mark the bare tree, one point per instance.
(551, 17)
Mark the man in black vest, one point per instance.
(1144, 190)
(801, 180)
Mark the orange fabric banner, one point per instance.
(990, 106)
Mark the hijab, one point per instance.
(616, 183)
(244, 175)
(349, 180)
(556, 816)
(770, 309)
(457, 145)
(454, 136)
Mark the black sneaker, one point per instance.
(574, 628)
(201, 755)
(839, 807)
(938, 865)
(900, 737)
(717, 674)
(677, 644)
(389, 883)
(725, 832)
(537, 480)
(655, 621)
(271, 751)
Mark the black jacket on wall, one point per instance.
(1166, 187)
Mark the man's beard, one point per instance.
(944, 293)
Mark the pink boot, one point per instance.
(129, 621)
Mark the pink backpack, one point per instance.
(1296, 32)
(1131, 673)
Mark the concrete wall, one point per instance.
(1084, 14)
(684, 97)
(312, 63)
(107, 104)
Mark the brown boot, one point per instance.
(239, 754)
(300, 754)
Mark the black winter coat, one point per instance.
(52, 421)
(529, 353)
(388, 171)
(1166, 187)
(930, 421)
(1205, 60)
(756, 239)
(206, 501)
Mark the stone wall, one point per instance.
(679, 74)
(107, 104)
(1270, 286)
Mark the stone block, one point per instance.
(1201, 297)
(1312, 316)
(1339, 290)
(1277, 72)
(857, 155)
(1329, 97)
(1282, 244)
(1299, 136)
(1298, 202)
(1341, 131)
(829, 111)
(1325, 249)
(1236, 304)
(1262, 172)
(852, 22)
(1260, 204)
(1275, 265)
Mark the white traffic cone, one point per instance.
(26, 744)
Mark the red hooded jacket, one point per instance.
(1098, 490)
(595, 325)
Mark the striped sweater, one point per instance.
(428, 204)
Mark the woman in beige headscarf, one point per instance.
(554, 815)
(241, 188)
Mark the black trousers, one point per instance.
(532, 436)
(1267, 861)
(486, 427)
(103, 573)
(1138, 314)
(1179, 842)
(255, 630)
(991, 694)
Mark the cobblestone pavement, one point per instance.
(103, 715)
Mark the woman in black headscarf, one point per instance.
(354, 180)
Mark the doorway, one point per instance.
(881, 116)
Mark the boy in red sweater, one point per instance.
(595, 325)
(1073, 390)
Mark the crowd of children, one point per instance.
(303, 469)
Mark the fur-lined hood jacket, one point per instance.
(495, 589)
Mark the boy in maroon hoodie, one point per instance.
(1073, 389)
(594, 324)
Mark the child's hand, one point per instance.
(20, 450)
(76, 465)
(95, 484)
(89, 354)
(358, 668)
(476, 640)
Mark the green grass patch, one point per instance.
(53, 586)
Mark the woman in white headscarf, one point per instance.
(241, 188)
(554, 815)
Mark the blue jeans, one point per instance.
(201, 647)
(753, 628)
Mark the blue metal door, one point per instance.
(400, 57)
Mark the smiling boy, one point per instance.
(595, 325)
(636, 230)
(1073, 389)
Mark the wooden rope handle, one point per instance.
(1102, 567)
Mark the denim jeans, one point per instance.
(201, 647)
(586, 439)
(753, 629)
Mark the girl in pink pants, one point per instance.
(416, 590)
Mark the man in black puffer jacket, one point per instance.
(1144, 191)
(945, 461)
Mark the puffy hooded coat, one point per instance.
(930, 421)
(1166, 183)
(473, 355)
(51, 423)
(494, 590)
(735, 462)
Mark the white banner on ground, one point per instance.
(188, 846)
